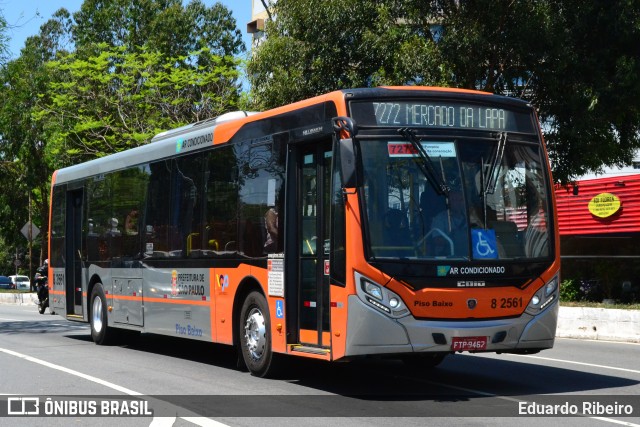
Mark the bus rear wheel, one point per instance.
(255, 336)
(101, 333)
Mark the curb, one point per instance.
(609, 324)
(20, 298)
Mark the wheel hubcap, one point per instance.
(255, 333)
(96, 315)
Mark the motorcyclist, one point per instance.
(42, 287)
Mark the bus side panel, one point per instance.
(276, 311)
(56, 291)
(226, 281)
(177, 302)
(214, 284)
(227, 286)
(340, 295)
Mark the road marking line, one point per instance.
(72, 372)
(514, 400)
(161, 421)
(599, 341)
(592, 365)
(64, 325)
(611, 420)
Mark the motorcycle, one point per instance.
(42, 288)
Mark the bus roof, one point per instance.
(221, 129)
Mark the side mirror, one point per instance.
(347, 163)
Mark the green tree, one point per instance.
(4, 38)
(138, 67)
(588, 89)
(315, 47)
(167, 25)
(27, 170)
(131, 91)
(576, 62)
(118, 100)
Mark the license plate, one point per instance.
(468, 343)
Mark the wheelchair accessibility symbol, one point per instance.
(484, 243)
(279, 309)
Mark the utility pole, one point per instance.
(30, 238)
(30, 231)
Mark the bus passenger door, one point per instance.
(73, 273)
(313, 203)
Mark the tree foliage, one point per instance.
(118, 100)
(103, 79)
(139, 67)
(26, 170)
(4, 38)
(166, 25)
(589, 91)
(315, 47)
(576, 61)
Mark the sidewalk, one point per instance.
(573, 322)
(22, 298)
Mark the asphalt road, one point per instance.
(46, 356)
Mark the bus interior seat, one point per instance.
(509, 238)
(93, 250)
(309, 235)
(396, 228)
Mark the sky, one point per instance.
(26, 16)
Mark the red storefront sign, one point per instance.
(601, 206)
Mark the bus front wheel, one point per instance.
(255, 335)
(101, 333)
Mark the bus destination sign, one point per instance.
(440, 115)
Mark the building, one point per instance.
(599, 221)
(259, 15)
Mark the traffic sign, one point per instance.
(34, 230)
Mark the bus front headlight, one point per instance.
(543, 297)
(551, 286)
(372, 289)
(380, 298)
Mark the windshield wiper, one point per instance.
(426, 165)
(489, 181)
(494, 172)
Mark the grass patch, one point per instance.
(600, 305)
(14, 291)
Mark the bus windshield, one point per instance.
(494, 206)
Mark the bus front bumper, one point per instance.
(372, 332)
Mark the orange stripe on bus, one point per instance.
(173, 301)
(226, 130)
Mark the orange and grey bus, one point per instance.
(405, 222)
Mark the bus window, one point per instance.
(156, 228)
(173, 220)
(186, 206)
(261, 180)
(57, 237)
(494, 206)
(128, 188)
(97, 218)
(221, 210)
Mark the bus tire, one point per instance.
(101, 333)
(255, 336)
